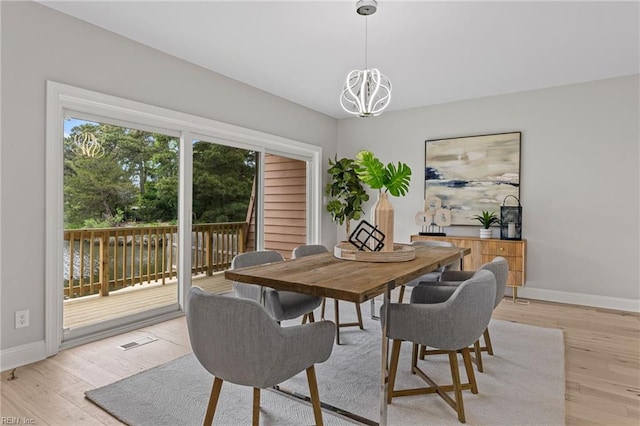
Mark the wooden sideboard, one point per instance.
(483, 250)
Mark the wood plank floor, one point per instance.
(602, 365)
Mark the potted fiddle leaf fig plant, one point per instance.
(390, 179)
(346, 191)
(486, 219)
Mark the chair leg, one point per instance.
(457, 388)
(471, 377)
(414, 357)
(442, 390)
(401, 295)
(213, 401)
(359, 314)
(487, 341)
(324, 305)
(393, 368)
(315, 397)
(478, 351)
(337, 316)
(256, 407)
(309, 317)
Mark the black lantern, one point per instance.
(510, 220)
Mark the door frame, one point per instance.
(61, 100)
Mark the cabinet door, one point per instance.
(513, 252)
(483, 251)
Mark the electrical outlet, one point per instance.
(22, 319)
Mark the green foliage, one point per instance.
(222, 182)
(107, 223)
(487, 219)
(394, 179)
(346, 191)
(137, 179)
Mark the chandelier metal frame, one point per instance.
(366, 92)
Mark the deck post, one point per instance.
(209, 250)
(104, 263)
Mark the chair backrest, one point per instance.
(435, 243)
(238, 341)
(500, 269)
(453, 324)
(252, 258)
(308, 250)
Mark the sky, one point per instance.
(70, 123)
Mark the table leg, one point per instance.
(384, 358)
(373, 310)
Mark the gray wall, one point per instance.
(40, 44)
(579, 176)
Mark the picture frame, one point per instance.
(472, 174)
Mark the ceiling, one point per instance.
(433, 52)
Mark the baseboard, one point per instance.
(617, 303)
(22, 355)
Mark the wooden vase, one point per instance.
(383, 219)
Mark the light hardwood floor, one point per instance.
(602, 365)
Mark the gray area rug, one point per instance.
(522, 384)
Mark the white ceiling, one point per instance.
(433, 52)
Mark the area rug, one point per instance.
(522, 384)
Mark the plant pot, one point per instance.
(485, 233)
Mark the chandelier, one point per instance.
(366, 92)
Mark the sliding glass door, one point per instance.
(120, 188)
(141, 199)
(223, 208)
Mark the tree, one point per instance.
(95, 188)
(222, 182)
(112, 171)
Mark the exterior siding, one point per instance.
(285, 205)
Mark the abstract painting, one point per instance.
(473, 173)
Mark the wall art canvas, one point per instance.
(473, 173)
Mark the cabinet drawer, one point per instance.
(484, 250)
(502, 248)
(515, 263)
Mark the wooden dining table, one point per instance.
(325, 275)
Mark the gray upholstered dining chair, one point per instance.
(430, 276)
(451, 326)
(500, 269)
(281, 305)
(309, 249)
(237, 341)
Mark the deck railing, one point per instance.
(107, 259)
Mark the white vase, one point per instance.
(485, 233)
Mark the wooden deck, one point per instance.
(92, 309)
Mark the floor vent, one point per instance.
(136, 343)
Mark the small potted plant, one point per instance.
(486, 219)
